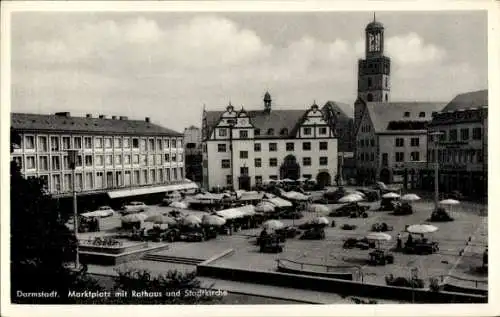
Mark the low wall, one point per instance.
(337, 286)
(113, 250)
(468, 290)
(340, 276)
(116, 259)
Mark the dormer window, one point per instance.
(257, 132)
(421, 115)
(270, 131)
(407, 114)
(284, 131)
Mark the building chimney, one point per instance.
(63, 114)
(123, 118)
(148, 120)
(113, 117)
(88, 115)
(101, 116)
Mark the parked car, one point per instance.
(134, 207)
(348, 209)
(101, 212)
(403, 209)
(370, 194)
(440, 215)
(313, 234)
(363, 243)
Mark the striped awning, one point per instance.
(150, 190)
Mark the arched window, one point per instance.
(369, 97)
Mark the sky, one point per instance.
(168, 65)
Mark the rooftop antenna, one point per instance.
(374, 18)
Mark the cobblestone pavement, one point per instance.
(452, 237)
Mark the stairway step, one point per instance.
(171, 259)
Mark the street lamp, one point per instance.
(436, 135)
(72, 157)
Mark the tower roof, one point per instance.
(374, 25)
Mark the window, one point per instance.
(135, 159)
(181, 144)
(87, 141)
(99, 160)
(126, 159)
(98, 143)
(421, 115)
(257, 147)
(42, 144)
(464, 134)
(77, 142)
(151, 160)
(174, 143)
(166, 142)
(400, 156)
(30, 162)
(136, 180)
(415, 142)
(400, 142)
(322, 131)
(243, 134)
(307, 131)
(258, 162)
(306, 146)
(117, 143)
(306, 161)
(135, 143)
(88, 160)
(273, 162)
(479, 156)
(323, 160)
(107, 143)
(43, 163)
(160, 175)
(181, 158)
(229, 179)
(256, 132)
(167, 158)
(151, 145)
(372, 142)
(99, 180)
(159, 147)
(386, 83)
(221, 148)
(415, 156)
(143, 161)
(453, 135)
(290, 146)
(159, 160)
(442, 136)
(370, 82)
(143, 145)
(270, 131)
(118, 159)
(323, 146)
(273, 147)
(407, 114)
(225, 164)
(66, 142)
(54, 143)
(109, 160)
(29, 142)
(273, 177)
(243, 154)
(68, 184)
(362, 143)
(174, 158)
(89, 180)
(369, 97)
(126, 143)
(167, 174)
(307, 176)
(152, 176)
(244, 170)
(372, 156)
(144, 177)
(258, 179)
(223, 132)
(79, 181)
(476, 134)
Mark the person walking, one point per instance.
(399, 242)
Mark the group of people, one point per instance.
(409, 241)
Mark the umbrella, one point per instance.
(320, 221)
(351, 198)
(421, 228)
(179, 204)
(287, 180)
(410, 197)
(139, 217)
(153, 218)
(449, 202)
(191, 220)
(247, 210)
(96, 213)
(161, 226)
(264, 207)
(165, 220)
(273, 225)
(318, 208)
(212, 220)
(391, 195)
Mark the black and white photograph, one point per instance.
(239, 157)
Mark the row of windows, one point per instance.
(365, 128)
(273, 162)
(258, 178)
(101, 180)
(30, 161)
(452, 135)
(223, 132)
(273, 147)
(456, 156)
(41, 143)
(399, 157)
(414, 142)
(366, 142)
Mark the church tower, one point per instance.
(374, 70)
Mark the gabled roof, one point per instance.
(277, 120)
(474, 99)
(385, 115)
(341, 109)
(59, 123)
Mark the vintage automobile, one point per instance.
(381, 227)
(193, 236)
(270, 244)
(290, 214)
(347, 226)
(370, 194)
(381, 257)
(363, 243)
(347, 209)
(403, 208)
(404, 282)
(421, 247)
(287, 232)
(313, 234)
(388, 204)
(134, 207)
(101, 212)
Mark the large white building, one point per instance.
(244, 148)
(116, 155)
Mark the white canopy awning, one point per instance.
(149, 190)
(279, 202)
